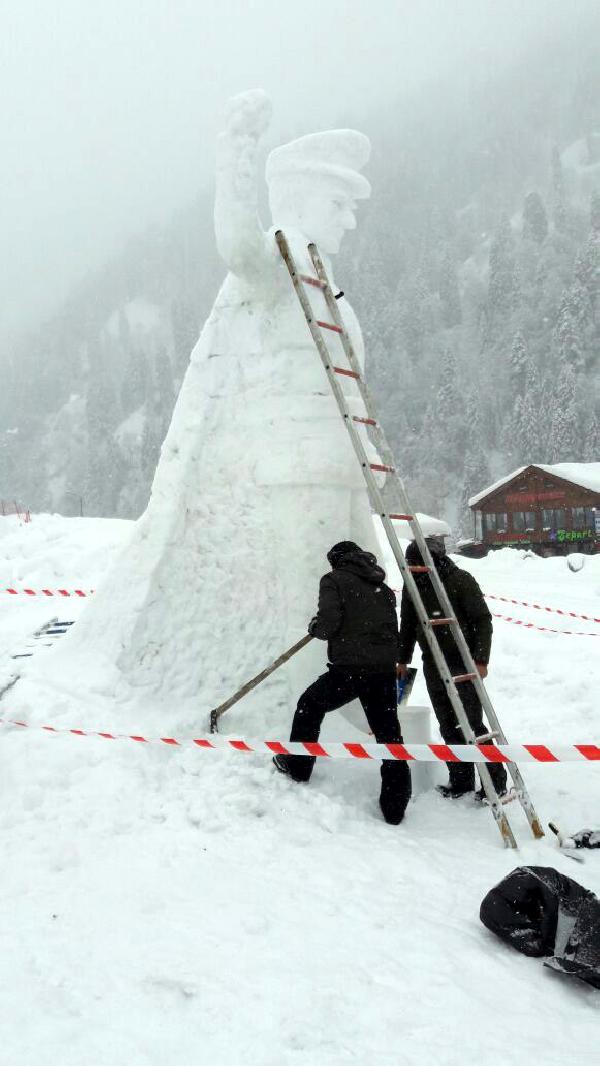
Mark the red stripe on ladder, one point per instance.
(347, 373)
(328, 325)
(365, 421)
(312, 281)
(384, 469)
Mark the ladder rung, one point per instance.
(348, 373)
(365, 422)
(464, 677)
(312, 281)
(419, 569)
(329, 325)
(485, 737)
(403, 517)
(383, 469)
(441, 621)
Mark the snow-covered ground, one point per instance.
(164, 907)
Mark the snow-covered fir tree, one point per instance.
(535, 219)
(565, 443)
(559, 213)
(502, 283)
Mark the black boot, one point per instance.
(462, 780)
(505, 795)
(499, 781)
(454, 792)
(280, 764)
(396, 789)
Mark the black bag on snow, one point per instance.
(585, 838)
(541, 912)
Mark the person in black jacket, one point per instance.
(475, 620)
(357, 617)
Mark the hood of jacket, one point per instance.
(363, 564)
(443, 564)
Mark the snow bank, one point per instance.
(164, 906)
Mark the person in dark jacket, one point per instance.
(475, 620)
(357, 618)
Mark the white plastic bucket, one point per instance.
(415, 723)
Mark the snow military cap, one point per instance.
(334, 154)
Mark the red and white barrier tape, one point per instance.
(504, 618)
(377, 752)
(532, 625)
(540, 607)
(544, 629)
(48, 592)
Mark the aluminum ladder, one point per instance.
(404, 512)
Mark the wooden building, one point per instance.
(552, 509)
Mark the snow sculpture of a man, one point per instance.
(257, 477)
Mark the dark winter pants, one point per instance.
(462, 775)
(377, 693)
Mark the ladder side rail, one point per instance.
(480, 688)
(363, 388)
(379, 507)
(405, 508)
(446, 677)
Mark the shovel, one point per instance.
(216, 713)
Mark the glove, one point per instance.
(312, 625)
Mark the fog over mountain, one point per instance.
(475, 267)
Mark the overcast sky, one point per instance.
(109, 108)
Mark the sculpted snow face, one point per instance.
(314, 183)
(257, 476)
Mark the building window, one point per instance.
(495, 523)
(523, 521)
(553, 518)
(578, 517)
(590, 518)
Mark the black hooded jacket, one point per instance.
(357, 614)
(470, 610)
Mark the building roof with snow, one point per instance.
(587, 475)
